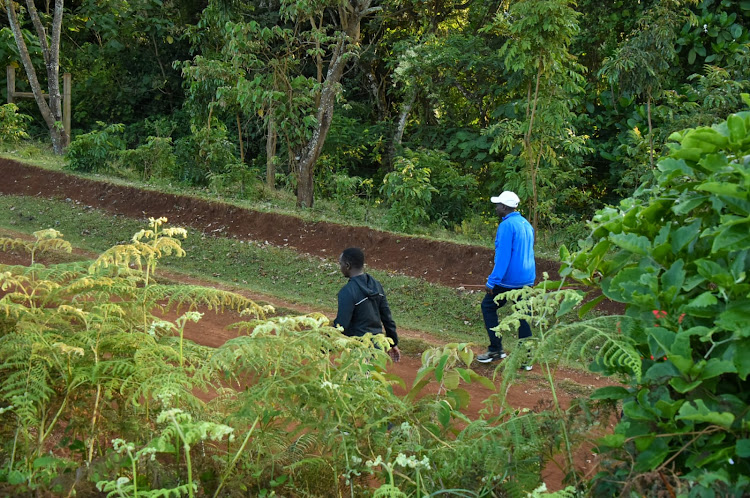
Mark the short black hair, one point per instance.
(354, 256)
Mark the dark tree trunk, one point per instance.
(350, 16)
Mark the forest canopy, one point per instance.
(427, 108)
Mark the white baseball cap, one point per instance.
(508, 198)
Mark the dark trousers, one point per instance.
(489, 312)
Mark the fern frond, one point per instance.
(120, 256)
(46, 245)
(193, 296)
(602, 339)
(7, 244)
(298, 448)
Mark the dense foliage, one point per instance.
(677, 254)
(569, 104)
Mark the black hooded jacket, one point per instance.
(363, 308)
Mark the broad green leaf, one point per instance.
(735, 318)
(564, 253)
(723, 188)
(672, 280)
(660, 371)
(682, 386)
(683, 364)
(714, 272)
(671, 165)
(732, 238)
(684, 206)
(706, 139)
(742, 448)
(444, 414)
(466, 355)
(461, 397)
(653, 455)
(742, 361)
(451, 379)
(736, 125)
(612, 440)
(439, 370)
(697, 411)
(685, 234)
(15, 478)
(590, 305)
(716, 367)
(416, 389)
(714, 162)
(484, 381)
(702, 301)
(637, 244)
(422, 373)
(465, 375)
(610, 392)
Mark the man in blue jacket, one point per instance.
(514, 268)
(363, 306)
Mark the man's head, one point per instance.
(352, 261)
(505, 203)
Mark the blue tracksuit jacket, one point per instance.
(514, 253)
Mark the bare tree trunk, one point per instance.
(271, 152)
(52, 111)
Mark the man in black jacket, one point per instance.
(363, 306)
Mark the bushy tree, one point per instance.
(676, 253)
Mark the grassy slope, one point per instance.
(439, 311)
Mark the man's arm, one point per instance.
(390, 327)
(388, 323)
(503, 245)
(345, 310)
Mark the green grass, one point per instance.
(440, 311)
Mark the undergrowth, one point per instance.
(98, 392)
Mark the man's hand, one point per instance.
(488, 289)
(395, 354)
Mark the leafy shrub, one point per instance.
(205, 152)
(96, 150)
(409, 193)
(154, 158)
(676, 254)
(12, 124)
(453, 191)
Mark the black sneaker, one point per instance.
(526, 367)
(491, 356)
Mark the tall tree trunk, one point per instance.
(350, 15)
(398, 133)
(51, 111)
(271, 152)
(531, 159)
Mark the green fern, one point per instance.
(46, 240)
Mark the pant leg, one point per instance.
(489, 313)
